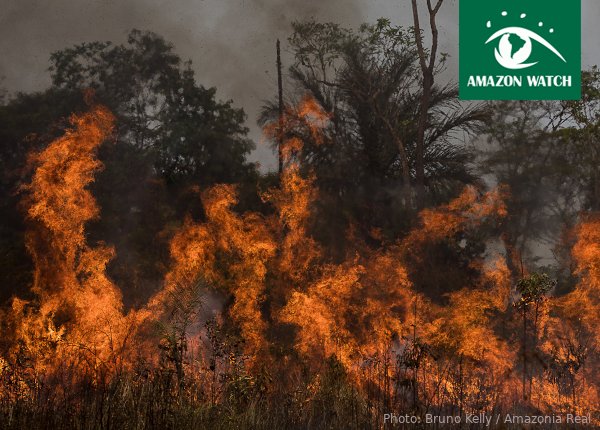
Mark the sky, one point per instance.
(230, 42)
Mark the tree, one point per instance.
(548, 155)
(27, 123)
(581, 152)
(161, 110)
(427, 70)
(172, 135)
(533, 290)
(368, 80)
(521, 153)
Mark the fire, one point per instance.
(587, 254)
(78, 314)
(573, 330)
(367, 313)
(245, 243)
(469, 210)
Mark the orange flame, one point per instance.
(273, 274)
(78, 312)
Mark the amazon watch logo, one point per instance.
(520, 50)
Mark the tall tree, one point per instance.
(160, 107)
(369, 81)
(427, 70)
(582, 140)
(521, 153)
(548, 155)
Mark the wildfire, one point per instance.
(273, 274)
(78, 315)
(244, 242)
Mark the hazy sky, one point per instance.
(231, 42)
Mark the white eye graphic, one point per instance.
(514, 57)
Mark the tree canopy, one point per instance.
(172, 135)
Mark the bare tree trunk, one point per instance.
(514, 260)
(408, 198)
(427, 68)
(461, 394)
(415, 364)
(534, 345)
(524, 352)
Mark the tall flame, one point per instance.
(78, 311)
(273, 276)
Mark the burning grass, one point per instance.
(298, 340)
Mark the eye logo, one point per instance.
(515, 47)
(519, 50)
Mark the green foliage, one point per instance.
(580, 154)
(160, 107)
(520, 153)
(369, 80)
(533, 288)
(172, 135)
(547, 154)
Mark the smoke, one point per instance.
(231, 42)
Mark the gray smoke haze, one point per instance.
(231, 42)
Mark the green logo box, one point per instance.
(520, 50)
